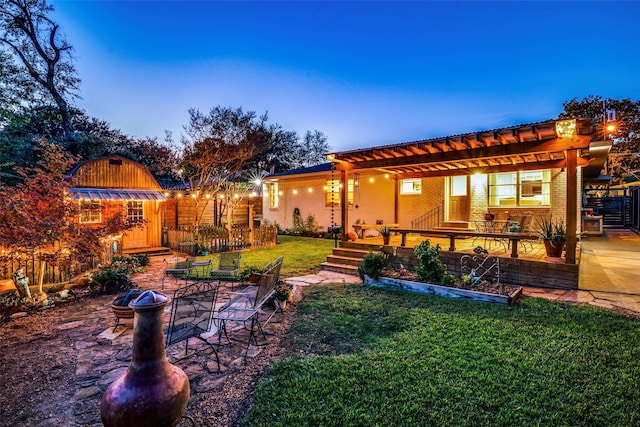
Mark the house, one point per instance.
(445, 182)
(114, 184)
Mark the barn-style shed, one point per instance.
(113, 184)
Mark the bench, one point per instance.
(359, 229)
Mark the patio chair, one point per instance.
(179, 270)
(245, 306)
(525, 228)
(191, 316)
(228, 266)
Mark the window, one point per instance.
(332, 195)
(135, 212)
(273, 195)
(90, 211)
(526, 188)
(411, 186)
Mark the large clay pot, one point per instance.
(152, 392)
(554, 249)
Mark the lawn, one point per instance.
(367, 357)
(302, 255)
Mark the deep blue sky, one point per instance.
(364, 73)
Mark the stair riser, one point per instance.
(346, 261)
(338, 269)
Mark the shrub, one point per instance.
(448, 279)
(430, 268)
(372, 264)
(283, 291)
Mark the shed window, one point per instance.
(135, 211)
(90, 211)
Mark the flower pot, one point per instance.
(386, 239)
(282, 305)
(254, 278)
(554, 249)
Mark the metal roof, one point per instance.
(114, 194)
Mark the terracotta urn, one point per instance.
(152, 392)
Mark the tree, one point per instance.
(216, 147)
(312, 149)
(44, 59)
(624, 157)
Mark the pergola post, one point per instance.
(572, 204)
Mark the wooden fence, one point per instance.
(183, 239)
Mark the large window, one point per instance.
(273, 195)
(90, 211)
(332, 195)
(526, 188)
(411, 186)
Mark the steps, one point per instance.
(345, 259)
(155, 251)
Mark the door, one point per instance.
(459, 201)
(136, 237)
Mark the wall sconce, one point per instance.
(566, 128)
(295, 191)
(371, 179)
(310, 190)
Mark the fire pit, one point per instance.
(120, 305)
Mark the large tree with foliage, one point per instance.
(312, 149)
(625, 152)
(217, 146)
(43, 58)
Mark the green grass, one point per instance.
(370, 357)
(302, 255)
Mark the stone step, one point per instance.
(350, 253)
(339, 268)
(345, 260)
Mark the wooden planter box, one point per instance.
(442, 291)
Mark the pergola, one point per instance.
(543, 145)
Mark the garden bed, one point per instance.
(482, 291)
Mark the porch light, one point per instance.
(566, 128)
(325, 188)
(257, 181)
(193, 196)
(295, 191)
(208, 196)
(236, 196)
(310, 190)
(179, 195)
(371, 179)
(386, 176)
(221, 196)
(166, 194)
(330, 157)
(280, 193)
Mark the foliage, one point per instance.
(385, 231)
(374, 357)
(430, 269)
(115, 277)
(550, 229)
(626, 138)
(311, 150)
(308, 227)
(448, 279)
(283, 291)
(42, 58)
(372, 264)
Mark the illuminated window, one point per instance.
(526, 188)
(90, 211)
(411, 186)
(135, 211)
(332, 196)
(273, 195)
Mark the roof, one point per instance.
(322, 167)
(527, 146)
(110, 194)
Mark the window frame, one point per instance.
(538, 189)
(90, 211)
(413, 192)
(332, 196)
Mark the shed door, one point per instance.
(136, 237)
(459, 201)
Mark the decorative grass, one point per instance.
(302, 255)
(370, 357)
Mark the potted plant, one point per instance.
(553, 233)
(283, 294)
(385, 232)
(250, 274)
